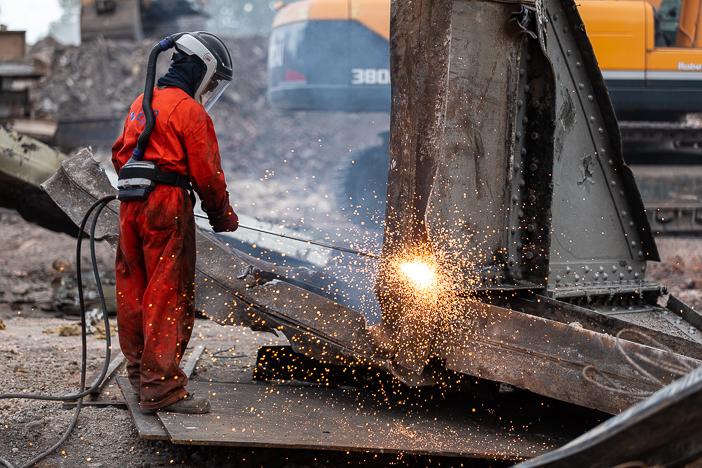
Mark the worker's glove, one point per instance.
(223, 219)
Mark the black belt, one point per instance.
(157, 175)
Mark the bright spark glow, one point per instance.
(421, 273)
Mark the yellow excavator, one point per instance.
(333, 55)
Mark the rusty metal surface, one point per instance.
(665, 430)
(77, 185)
(147, 423)
(589, 319)
(549, 357)
(287, 416)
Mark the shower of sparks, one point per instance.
(420, 273)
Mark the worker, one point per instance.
(155, 260)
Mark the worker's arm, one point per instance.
(206, 175)
(118, 146)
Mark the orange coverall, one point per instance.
(155, 261)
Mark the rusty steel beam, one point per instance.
(473, 338)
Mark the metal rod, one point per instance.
(307, 241)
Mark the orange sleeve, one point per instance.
(204, 162)
(117, 147)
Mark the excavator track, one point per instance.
(666, 158)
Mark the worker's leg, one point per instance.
(168, 230)
(130, 276)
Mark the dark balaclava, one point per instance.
(185, 73)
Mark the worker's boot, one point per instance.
(191, 404)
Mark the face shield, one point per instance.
(213, 91)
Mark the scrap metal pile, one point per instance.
(516, 241)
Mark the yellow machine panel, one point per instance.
(617, 31)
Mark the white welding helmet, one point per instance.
(218, 64)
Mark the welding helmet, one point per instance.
(216, 60)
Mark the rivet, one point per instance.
(515, 199)
(640, 254)
(611, 162)
(614, 268)
(511, 261)
(519, 245)
(525, 120)
(601, 268)
(631, 224)
(531, 228)
(577, 277)
(513, 230)
(621, 193)
(521, 182)
(534, 136)
(633, 243)
(567, 270)
(581, 86)
(621, 275)
(529, 255)
(526, 88)
(532, 198)
(578, 64)
(523, 151)
(602, 151)
(555, 17)
(629, 268)
(515, 167)
(592, 118)
(568, 52)
(533, 167)
(519, 135)
(597, 275)
(613, 183)
(605, 275)
(623, 214)
(520, 103)
(590, 97)
(521, 72)
(528, 57)
(643, 267)
(558, 278)
(636, 275)
(587, 269)
(601, 130)
(565, 29)
(520, 214)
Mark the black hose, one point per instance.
(145, 136)
(100, 205)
